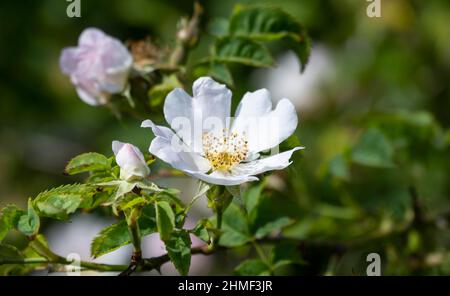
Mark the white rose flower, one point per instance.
(224, 153)
(131, 161)
(98, 66)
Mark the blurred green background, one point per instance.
(373, 104)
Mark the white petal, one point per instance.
(85, 80)
(91, 37)
(116, 63)
(116, 146)
(220, 178)
(211, 99)
(251, 156)
(163, 149)
(255, 103)
(268, 130)
(168, 147)
(89, 97)
(208, 110)
(158, 130)
(270, 163)
(69, 59)
(131, 155)
(131, 161)
(178, 113)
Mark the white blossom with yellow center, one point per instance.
(224, 150)
(205, 144)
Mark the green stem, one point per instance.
(215, 239)
(52, 258)
(99, 266)
(44, 251)
(135, 236)
(22, 260)
(133, 228)
(63, 261)
(219, 218)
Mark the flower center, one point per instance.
(225, 150)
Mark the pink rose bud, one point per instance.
(131, 161)
(98, 66)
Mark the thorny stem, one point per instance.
(155, 263)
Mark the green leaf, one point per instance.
(264, 23)
(159, 92)
(135, 201)
(59, 202)
(170, 195)
(59, 206)
(272, 226)
(87, 162)
(269, 24)
(9, 252)
(121, 188)
(234, 190)
(9, 218)
(29, 224)
(201, 230)
(179, 250)
(242, 50)
(252, 267)
(109, 239)
(100, 177)
(165, 219)
(220, 72)
(338, 167)
(252, 197)
(117, 235)
(218, 27)
(209, 67)
(147, 220)
(373, 149)
(91, 202)
(285, 253)
(301, 49)
(152, 187)
(235, 228)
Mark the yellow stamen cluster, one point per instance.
(225, 150)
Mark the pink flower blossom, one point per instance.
(98, 66)
(131, 161)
